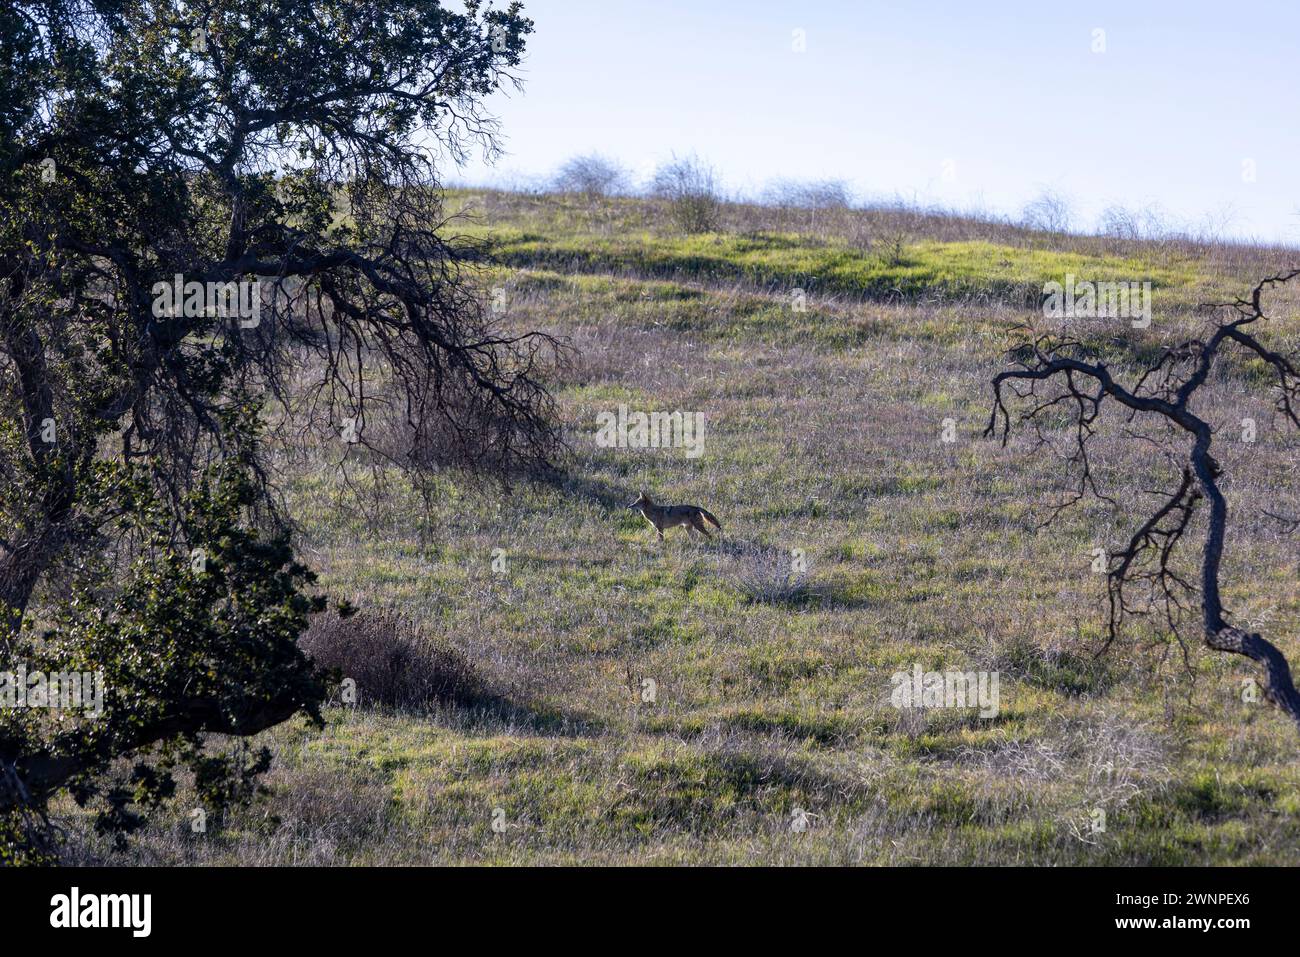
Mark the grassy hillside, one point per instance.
(823, 434)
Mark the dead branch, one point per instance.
(1057, 371)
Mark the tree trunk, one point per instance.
(1219, 635)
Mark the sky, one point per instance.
(1185, 107)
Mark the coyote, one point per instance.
(670, 516)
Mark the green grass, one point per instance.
(823, 435)
(945, 270)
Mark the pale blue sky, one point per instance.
(1186, 96)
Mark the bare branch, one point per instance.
(1164, 392)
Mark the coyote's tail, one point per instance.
(709, 515)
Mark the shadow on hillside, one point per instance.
(613, 497)
(901, 282)
(492, 713)
(503, 715)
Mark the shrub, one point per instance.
(1049, 212)
(392, 661)
(1121, 223)
(592, 176)
(769, 575)
(689, 186)
(814, 194)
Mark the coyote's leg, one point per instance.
(697, 522)
(661, 532)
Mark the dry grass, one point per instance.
(769, 689)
